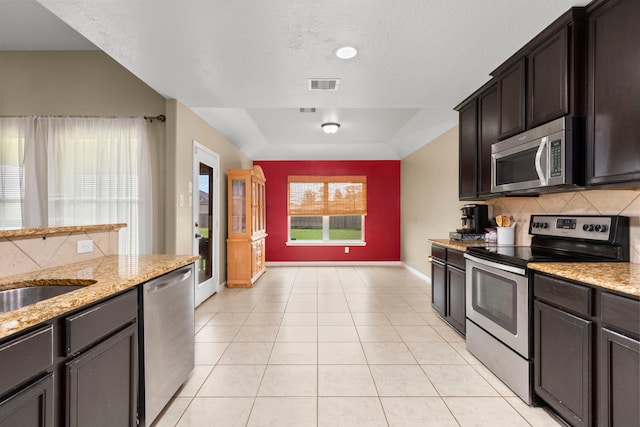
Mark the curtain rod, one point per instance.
(160, 117)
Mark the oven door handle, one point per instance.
(541, 173)
(503, 267)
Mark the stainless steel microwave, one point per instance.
(536, 159)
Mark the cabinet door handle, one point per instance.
(170, 281)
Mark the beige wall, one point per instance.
(87, 83)
(429, 198)
(90, 83)
(183, 127)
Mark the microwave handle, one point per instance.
(541, 174)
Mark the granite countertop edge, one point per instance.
(112, 274)
(46, 231)
(460, 245)
(622, 277)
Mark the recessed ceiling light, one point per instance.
(346, 52)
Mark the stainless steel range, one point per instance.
(499, 291)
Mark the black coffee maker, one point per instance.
(474, 219)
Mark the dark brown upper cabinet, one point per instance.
(545, 79)
(613, 128)
(548, 80)
(487, 136)
(478, 126)
(468, 146)
(511, 96)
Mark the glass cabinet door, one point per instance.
(238, 206)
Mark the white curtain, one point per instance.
(99, 172)
(22, 174)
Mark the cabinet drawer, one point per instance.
(565, 294)
(25, 357)
(621, 313)
(90, 325)
(439, 252)
(456, 258)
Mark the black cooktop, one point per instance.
(522, 255)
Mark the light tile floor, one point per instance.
(337, 346)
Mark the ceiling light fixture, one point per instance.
(346, 52)
(330, 128)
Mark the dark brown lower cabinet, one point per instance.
(447, 286)
(456, 311)
(101, 383)
(438, 286)
(31, 407)
(619, 380)
(563, 362)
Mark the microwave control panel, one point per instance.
(555, 157)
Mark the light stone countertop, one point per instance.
(459, 245)
(44, 231)
(112, 274)
(623, 277)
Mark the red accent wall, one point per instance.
(382, 223)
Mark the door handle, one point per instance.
(541, 173)
(198, 236)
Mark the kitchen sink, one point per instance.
(27, 293)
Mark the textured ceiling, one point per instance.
(243, 65)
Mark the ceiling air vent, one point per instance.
(324, 84)
(307, 110)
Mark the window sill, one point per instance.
(323, 243)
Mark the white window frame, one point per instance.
(325, 235)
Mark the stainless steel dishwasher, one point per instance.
(167, 334)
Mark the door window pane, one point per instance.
(205, 213)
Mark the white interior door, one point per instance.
(206, 221)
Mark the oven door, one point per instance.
(498, 301)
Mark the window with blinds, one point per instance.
(327, 195)
(327, 209)
(11, 173)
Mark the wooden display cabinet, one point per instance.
(246, 227)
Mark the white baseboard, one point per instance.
(331, 263)
(417, 273)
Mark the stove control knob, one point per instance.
(591, 227)
(534, 224)
(601, 228)
(585, 227)
(544, 225)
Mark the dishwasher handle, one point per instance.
(178, 277)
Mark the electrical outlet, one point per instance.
(86, 273)
(346, 249)
(85, 246)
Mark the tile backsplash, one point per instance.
(597, 202)
(21, 254)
